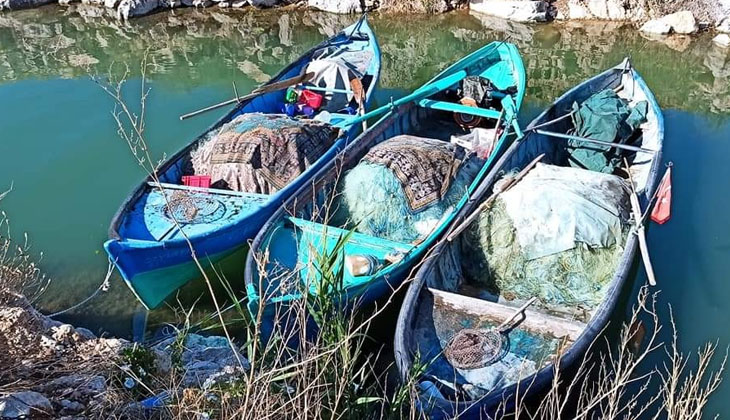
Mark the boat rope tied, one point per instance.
(103, 287)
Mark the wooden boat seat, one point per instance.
(314, 234)
(534, 321)
(207, 190)
(462, 109)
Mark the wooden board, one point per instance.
(534, 321)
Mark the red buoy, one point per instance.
(662, 209)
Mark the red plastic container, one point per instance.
(201, 181)
(310, 98)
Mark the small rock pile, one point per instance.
(53, 370)
(50, 369)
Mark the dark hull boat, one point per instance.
(308, 225)
(453, 316)
(151, 250)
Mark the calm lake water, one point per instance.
(70, 171)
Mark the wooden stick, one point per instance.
(517, 312)
(601, 142)
(639, 229)
(509, 183)
(256, 92)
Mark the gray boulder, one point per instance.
(657, 27)
(337, 6)
(681, 22)
(22, 4)
(722, 40)
(515, 10)
(605, 10)
(24, 404)
(205, 360)
(133, 8)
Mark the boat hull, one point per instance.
(167, 263)
(501, 401)
(402, 120)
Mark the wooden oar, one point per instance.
(425, 91)
(639, 229)
(271, 87)
(508, 184)
(594, 141)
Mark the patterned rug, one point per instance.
(425, 167)
(278, 147)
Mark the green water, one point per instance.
(70, 171)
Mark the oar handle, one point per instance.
(520, 310)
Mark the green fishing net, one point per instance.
(493, 259)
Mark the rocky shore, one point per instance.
(54, 370)
(658, 17)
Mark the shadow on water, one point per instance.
(70, 171)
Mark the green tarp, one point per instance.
(604, 116)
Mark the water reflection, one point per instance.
(217, 46)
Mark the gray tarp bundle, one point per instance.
(604, 116)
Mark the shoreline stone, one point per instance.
(514, 10)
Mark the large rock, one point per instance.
(657, 27)
(681, 22)
(337, 6)
(515, 10)
(722, 40)
(22, 4)
(24, 405)
(132, 8)
(605, 10)
(724, 26)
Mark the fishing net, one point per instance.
(376, 203)
(574, 276)
(188, 208)
(475, 348)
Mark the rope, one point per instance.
(103, 287)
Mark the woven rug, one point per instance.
(425, 167)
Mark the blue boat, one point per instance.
(288, 244)
(151, 250)
(436, 308)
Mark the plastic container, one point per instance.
(324, 116)
(289, 109)
(200, 181)
(307, 110)
(291, 95)
(309, 98)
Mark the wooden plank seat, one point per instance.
(534, 321)
(206, 190)
(462, 109)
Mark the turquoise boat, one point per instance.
(152, 251)
(285, 249)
